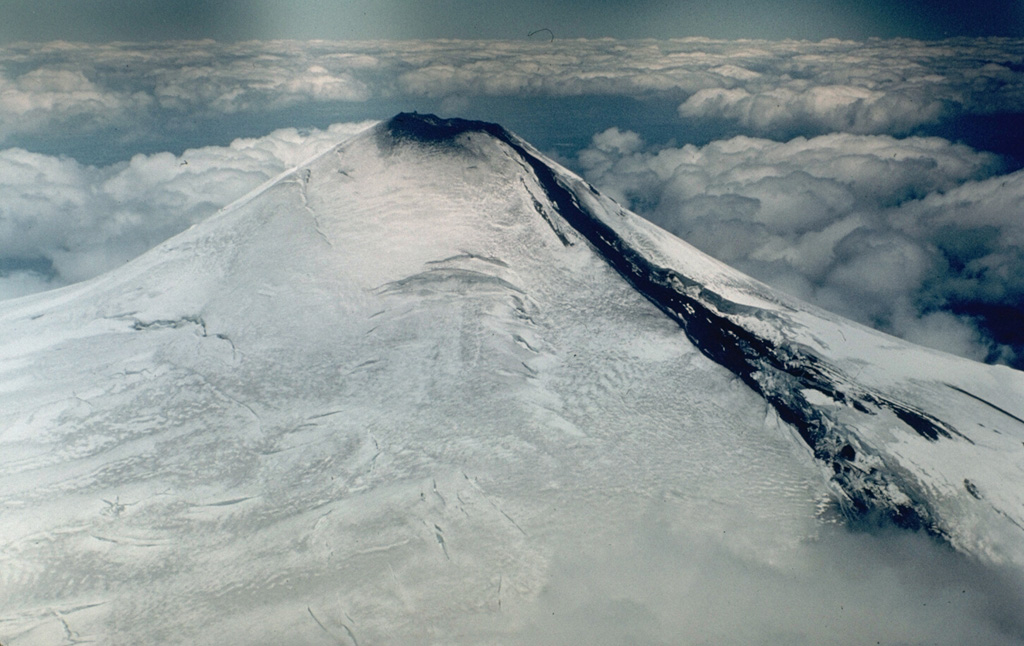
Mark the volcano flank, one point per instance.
(408, 390)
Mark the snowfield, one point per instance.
(432, 388)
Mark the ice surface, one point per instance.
(400, 395)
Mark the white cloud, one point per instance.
(943, 331)
(878, 87)
(993, 204)
(682, 586)
(771, 88)
(803, 107)
(33, 100)
(61, 221)
(252, 84)
(918, 236)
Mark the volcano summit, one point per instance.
(431, 387)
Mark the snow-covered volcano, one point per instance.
(396, 394)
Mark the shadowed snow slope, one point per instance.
(389, 396)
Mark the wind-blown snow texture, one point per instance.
(380, 398)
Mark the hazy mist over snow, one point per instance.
(846, 589)
(873, 178)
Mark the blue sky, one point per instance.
(233, 20)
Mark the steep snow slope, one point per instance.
(383, 398)
(855, 396)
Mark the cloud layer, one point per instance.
(770, 88)
(61, 221)
(892, 87)
(916, 236)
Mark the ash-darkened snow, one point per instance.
(431, 387)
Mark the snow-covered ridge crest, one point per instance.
(871, 440)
